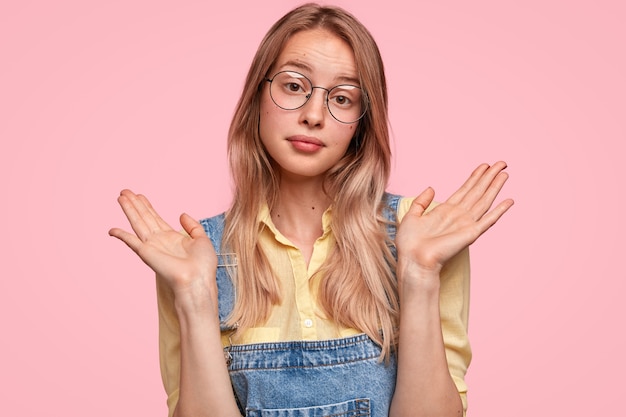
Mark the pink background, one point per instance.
(99, 96)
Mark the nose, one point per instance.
(313, 112)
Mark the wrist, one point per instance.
(197, 299)
(413, 277)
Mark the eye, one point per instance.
(293, 87)
(345, 96)
(341, 100)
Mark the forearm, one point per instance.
(424, 386)
(205, 388)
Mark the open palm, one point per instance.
(428, 239)
(182, 260)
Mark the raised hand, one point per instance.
(186, 262)
(427, 240)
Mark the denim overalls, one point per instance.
(326, 378)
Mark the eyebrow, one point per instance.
(306, 67)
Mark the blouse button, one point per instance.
(308, 323)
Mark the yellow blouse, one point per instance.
(298, 317)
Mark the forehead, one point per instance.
(318, 52)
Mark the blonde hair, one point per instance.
(357, 285)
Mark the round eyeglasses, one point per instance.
(290, 90)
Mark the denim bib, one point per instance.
(325, 378)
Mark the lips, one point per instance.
(305, 143)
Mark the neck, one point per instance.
(299, 209)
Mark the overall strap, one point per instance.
(214, 228)
(390, 213)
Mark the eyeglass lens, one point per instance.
(291, 90)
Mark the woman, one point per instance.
(327, 296)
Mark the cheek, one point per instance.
(346, 134)
(263, 108)
(351, 130)
(265, 114)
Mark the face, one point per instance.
(308, 141)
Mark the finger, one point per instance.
(483, 184)
(422, 201)
(479, 188)
(162, 224)
(139, 201)
(145, 252)
(485, 202)
(475, 176)
(192, 227)
(136, 221)
(129, 239)
(146, 220)
(494, 215)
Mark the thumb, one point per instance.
(191, 226)
(422, 201)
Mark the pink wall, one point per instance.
(98, 96)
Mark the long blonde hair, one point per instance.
(357, 285)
